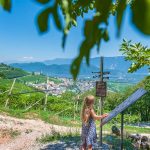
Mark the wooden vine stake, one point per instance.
(10, 91)
(46, 95)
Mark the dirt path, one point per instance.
(29, 131)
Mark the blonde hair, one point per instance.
(87, 104)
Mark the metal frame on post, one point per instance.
(121, 109)
(122, 129)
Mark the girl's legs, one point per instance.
(83, 147)
(90, 147)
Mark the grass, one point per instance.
(51, 118)
(14, 133)
(46, 116)
(128, 129)
(10, 132)
(55, 136)
(65, 138)
(132, 129)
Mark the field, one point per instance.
(36, 79)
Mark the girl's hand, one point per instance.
(104, 116)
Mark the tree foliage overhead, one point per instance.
(6, 4)
(95, 29)
(138, 54)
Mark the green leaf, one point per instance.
(75, 67)
(104, 7)
(6, 4)
(43, 1)
(120, 11)
(74, 22)
(91, 6)
(84, 52)
(43, 19)
(87, 28)
(141, 15)
(56, 17)
(64, 40)
(105, 35)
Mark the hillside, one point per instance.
(36, 79)
(10, 72)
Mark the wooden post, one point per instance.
(10, 91)
(45, 103)
(122, 125)
(76, 99)
(77, 105)
(46, 95)
(74, 112)
(101, 102)
(101, 88)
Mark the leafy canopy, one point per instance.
(95, 29)
(138, 54)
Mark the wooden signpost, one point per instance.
(101, 88)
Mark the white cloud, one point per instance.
(28, 57)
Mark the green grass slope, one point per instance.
(11, 72)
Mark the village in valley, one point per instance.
(65, 84)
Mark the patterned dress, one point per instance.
(88, 134)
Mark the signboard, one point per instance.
(124, 105)
(101, 88)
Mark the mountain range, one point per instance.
(59, 67)
(112, 63)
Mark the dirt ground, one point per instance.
(27, 133)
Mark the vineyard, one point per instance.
(9, 72)
(26, 98)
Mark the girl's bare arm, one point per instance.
(96, 117)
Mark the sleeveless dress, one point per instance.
(88, 135)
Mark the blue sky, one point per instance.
(20, 39)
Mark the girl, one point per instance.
(88, 116)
